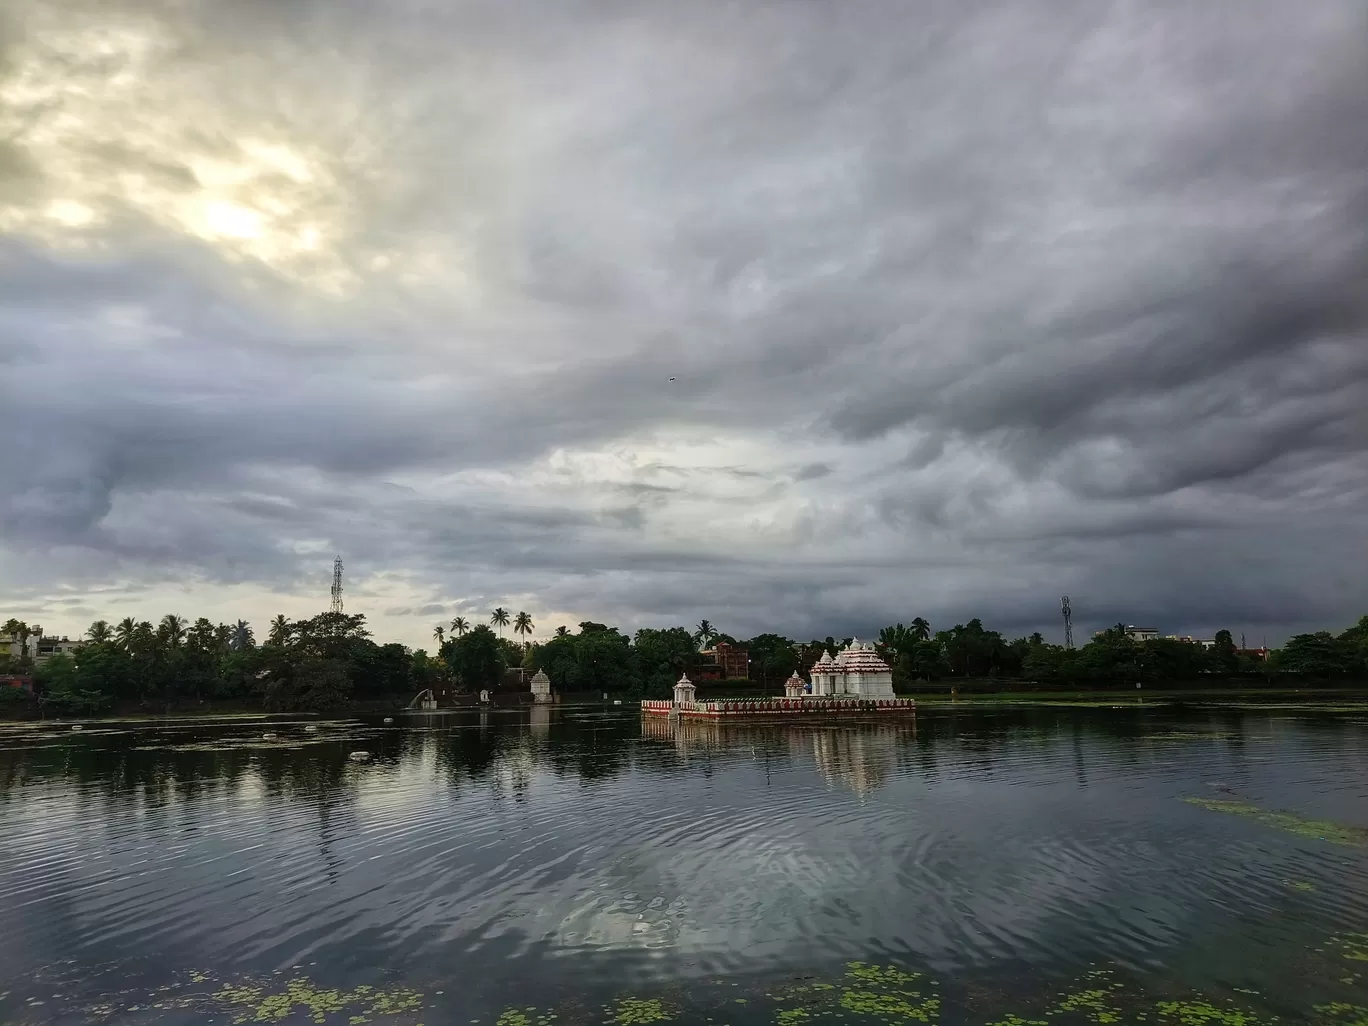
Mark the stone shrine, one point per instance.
(857, 670)
(541, 687)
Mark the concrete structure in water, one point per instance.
(856, 682)
(541, 688)
(856, 671)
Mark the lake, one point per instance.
(987, 865)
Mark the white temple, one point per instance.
(856, 671)
(541, 687)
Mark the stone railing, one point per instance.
(779, 706)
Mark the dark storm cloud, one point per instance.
(794, 317)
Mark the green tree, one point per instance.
(499, 618)
(522, 624)
(661, 656)
(772, 657)
(921, 630)
(705, 633)
(171, 630)
(99, 632)
(126, 632)
(438, 635)
(459, 626)
(281, 632)
(475, 659)
(242, 639)
(1315, 655)
(562, 632)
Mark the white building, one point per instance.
(856, 671)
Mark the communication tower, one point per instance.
(1068, 622)
(337, 585)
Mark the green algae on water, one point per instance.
(1344, 1014)
(638, 1011)
(254, 1004)
(1290, 822)
(1203, 1013)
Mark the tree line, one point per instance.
(330, 660)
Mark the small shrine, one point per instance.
(684, 691)
(541, 688)
(795, 686)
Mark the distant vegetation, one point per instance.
(329, 661)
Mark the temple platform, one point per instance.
(781, 708)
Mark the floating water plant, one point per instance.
(255, 1004)
(1290, 822)
(638, 1011)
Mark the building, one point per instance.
(857, 670)
(1135, 633)
(732, 660)
(39, 648)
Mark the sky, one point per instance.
(798, 316)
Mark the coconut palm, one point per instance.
(499, 618)
(280, 631)
(99, 632)
(126, 633)
(242, 636)
(921, 630)
(171, 630)
(459, 626)
(438, 634)
(522, 624)
(705, 633)
(562, 632)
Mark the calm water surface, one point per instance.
(523, 865)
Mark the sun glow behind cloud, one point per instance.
(122, 139)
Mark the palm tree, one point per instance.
(171, 630)
(438, 633)
(280, 631)
(126, 633)
(499, 618)
(144, 637)
(99, 632)
(705, 633)
(459, 626)
(242, 636)
(921, 630)
(522, 624)
(562, 632)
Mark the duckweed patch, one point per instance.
(1300, 885)
(639, 1011)
(1344, 1014)
(253, 1004)
(1095, 998)
(1289, 822)
(1203, 1013)
(523, 1017)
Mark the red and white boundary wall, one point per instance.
(781, 707)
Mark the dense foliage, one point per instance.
(330, 661)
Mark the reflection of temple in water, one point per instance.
(858, 757)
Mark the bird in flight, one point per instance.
(672, 379)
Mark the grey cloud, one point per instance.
(992, 301)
